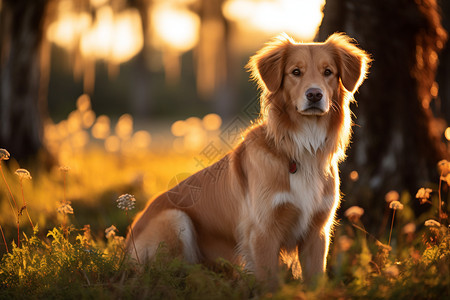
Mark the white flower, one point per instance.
(4, 155)
(423, 194)
(64, 169)
(65, 208)
(444, 167)
(23, 174)
(396, 205)
(126, 202)
(432, 223)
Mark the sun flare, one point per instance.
(298, 18)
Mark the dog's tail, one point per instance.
(172, 229)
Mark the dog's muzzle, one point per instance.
(315, 104)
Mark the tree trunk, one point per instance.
(22, 30)
(443, 76)
(215, 77)
(397, 141)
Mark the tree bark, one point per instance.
(397, 141)
(22, 104)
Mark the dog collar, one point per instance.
(292, 167)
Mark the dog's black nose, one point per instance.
(314, 94)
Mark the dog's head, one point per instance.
(310, 74)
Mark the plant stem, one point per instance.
(64, 187)
(15, 204)
(392, 225)
(4, 240)
(10, 193)
(439, 192)
(25, 204)
(18, 230)
(64, 200)
(9, 190)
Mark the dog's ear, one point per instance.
(267, 65)
(352, 62)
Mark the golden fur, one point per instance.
(248, 207)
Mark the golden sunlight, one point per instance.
(175, 27)
(112, 36)
(299, 18)
(66, 30)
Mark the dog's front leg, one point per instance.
(312, 254)
(264, 249)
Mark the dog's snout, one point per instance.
(314, 94)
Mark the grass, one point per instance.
(75, 249)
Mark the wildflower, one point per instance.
(446, 178)
(391, 196)
(396, 205)
(65, 208)
(391, 271)
(444, 167)
(432, 223)
(23, 174)
(409, 228)
(126, 202)
(354, 213)
(4, 155)
(110, 232)
(423, 194)
(64, 169)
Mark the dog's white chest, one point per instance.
(306, 193)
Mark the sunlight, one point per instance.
(111, 36)
(299, 18)
(212, 122)
(97, 40)
(129, 38)
(175, 27)
(101, 128)
(115, 37)
(66, 31)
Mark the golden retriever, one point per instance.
(278, 190)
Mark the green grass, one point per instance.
(71, 265)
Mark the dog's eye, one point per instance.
(327, 72)
(296, 72)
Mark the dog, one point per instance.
(278, 190)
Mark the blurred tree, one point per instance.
(142, 102)
(214, 60)
(22, 96)
(397, 141)
(443, 76)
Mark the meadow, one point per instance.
(62, 230)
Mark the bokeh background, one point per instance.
(135, 95)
